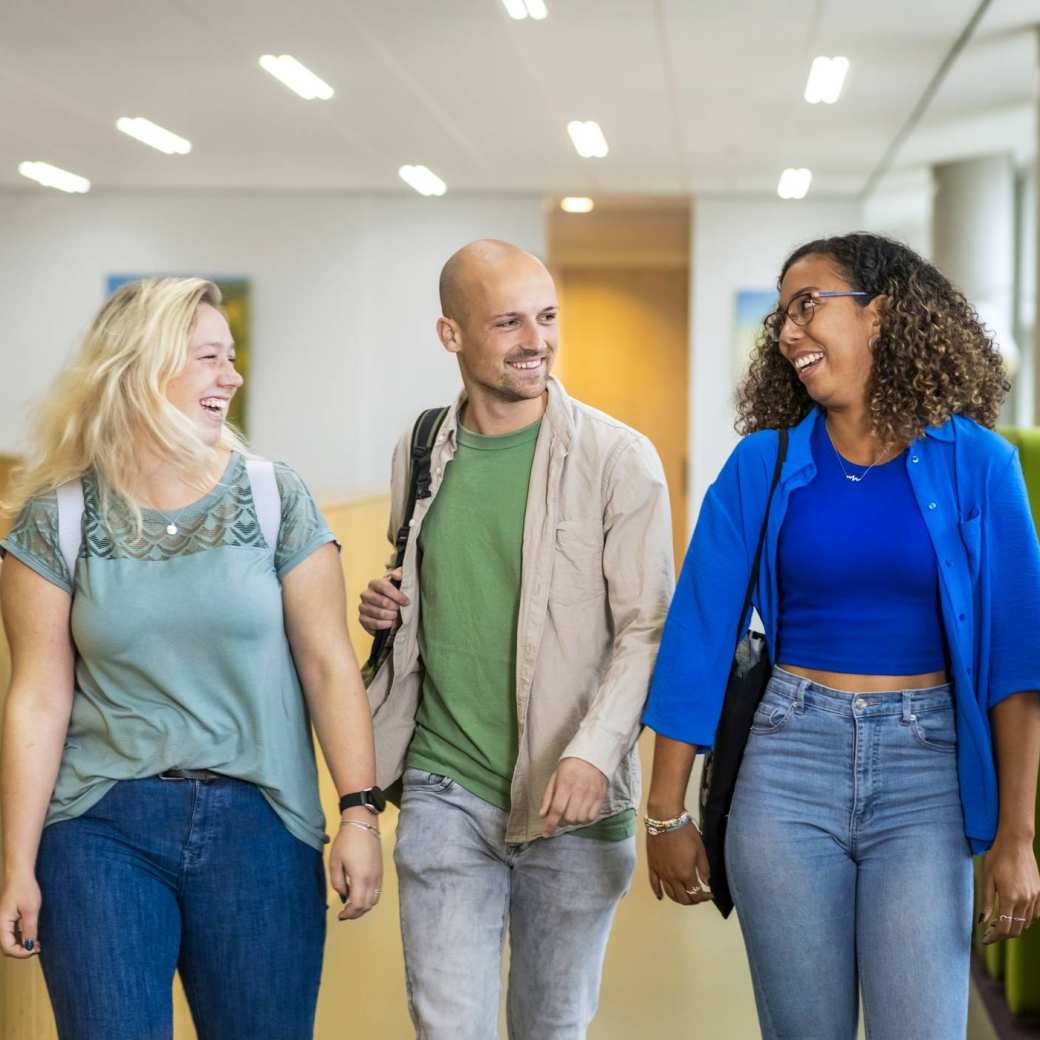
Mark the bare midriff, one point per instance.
(847, 682)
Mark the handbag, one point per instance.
(424, 433)
(748, 677)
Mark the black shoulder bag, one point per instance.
(424, 433)
(748, 678)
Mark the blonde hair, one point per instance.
(110, 401)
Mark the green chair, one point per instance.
(1020, 958)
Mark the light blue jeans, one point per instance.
(461, 884)
(849, 866)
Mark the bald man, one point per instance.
(531, 601)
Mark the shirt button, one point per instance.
(948, 564)
(411, 523)
(931, 505)
(960, 617)
(914, 459)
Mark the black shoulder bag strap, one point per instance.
(424, 433)
(781, 454)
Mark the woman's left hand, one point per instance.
(1010, 888)
(356, 869)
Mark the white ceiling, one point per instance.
(693, 95)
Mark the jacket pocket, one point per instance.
(577, 562)
(971, 536)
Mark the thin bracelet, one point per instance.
(360, 826)
(655, 827)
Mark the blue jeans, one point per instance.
(849, 866)
(460, 884)
(165, 875)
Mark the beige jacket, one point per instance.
(597, 579)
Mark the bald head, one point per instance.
(470, 271)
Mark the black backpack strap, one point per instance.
(781, 454)
(424, 433)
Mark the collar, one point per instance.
(799, 448)
(558, 414)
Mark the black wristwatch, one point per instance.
(372, 798)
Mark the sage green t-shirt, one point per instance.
(181, 655)
(471, 560)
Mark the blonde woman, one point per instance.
(175, 612)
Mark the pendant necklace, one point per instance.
(171, 525)
(852, 477)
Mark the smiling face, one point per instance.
(505, 334)
(203, 389)
(833, 354)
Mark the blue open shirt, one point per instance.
(968, 484)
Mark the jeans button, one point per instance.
(860, 703)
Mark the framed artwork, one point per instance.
(752, 305)
(236, 296)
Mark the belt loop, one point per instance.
(908, 706)
(799, 697)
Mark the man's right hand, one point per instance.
(679, 866)
(381, 603)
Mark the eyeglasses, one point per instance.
(802, 307)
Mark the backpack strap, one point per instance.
(424, 433)
(266, 498)
(70, 523)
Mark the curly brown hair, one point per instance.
(934, 358)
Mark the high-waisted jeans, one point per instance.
(163, 875)
(849, 866)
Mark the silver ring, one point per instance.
(1006, 917)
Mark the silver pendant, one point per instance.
(848, 476)
(171, 528)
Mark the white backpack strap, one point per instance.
(70, 523)
(266, 498)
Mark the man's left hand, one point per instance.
(575, 793)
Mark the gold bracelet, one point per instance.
(655, 827)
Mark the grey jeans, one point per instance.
(460, 884)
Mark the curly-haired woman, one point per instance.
(900, 593)
(176, 617)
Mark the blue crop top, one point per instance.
(858, 578)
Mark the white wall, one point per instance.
(344, 302)
(737, 244)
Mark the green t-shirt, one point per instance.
(471, 560)
(181, 655)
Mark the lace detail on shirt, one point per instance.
(35, 532)
(229, 520)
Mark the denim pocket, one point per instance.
(425, 781)
(771, 714)
(936, 730)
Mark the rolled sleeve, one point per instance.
(1014, 583)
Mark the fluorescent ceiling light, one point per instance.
(521, 9)
(54, 177)
(147, 132)
(826, 78)
(296, 77)
(425, 181)
(577, 204)
(794, 184)
(588, 138)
